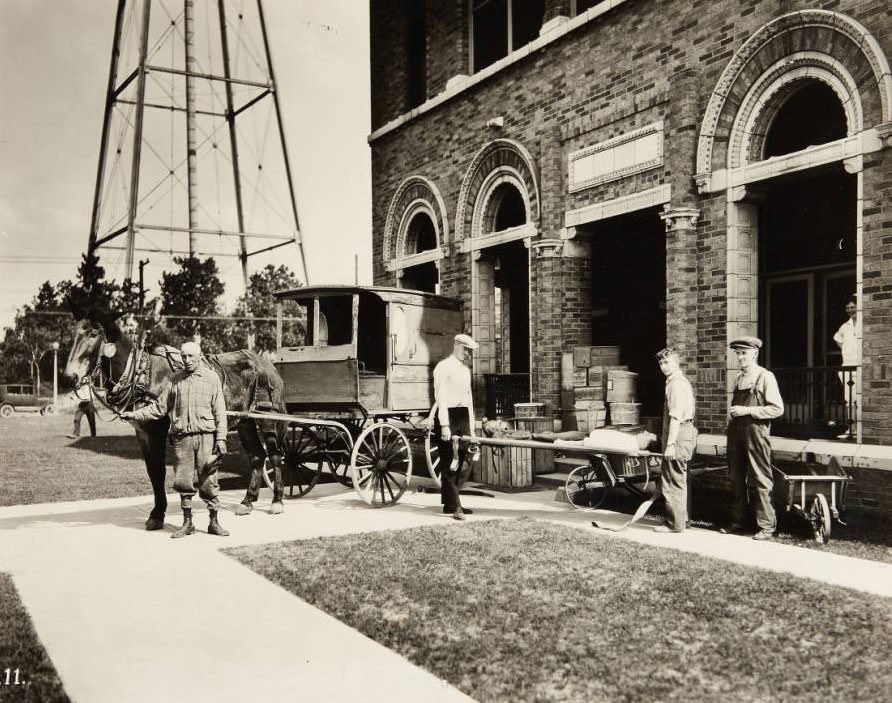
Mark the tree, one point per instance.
(92, 291)
(193, 293)
(23, 351)
(260, 302)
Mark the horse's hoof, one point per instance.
(154, 523)
(276, 508)
(243, 509)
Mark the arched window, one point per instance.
(420, 235)
(507, 207)
(794, 127)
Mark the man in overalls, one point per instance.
(755, 402)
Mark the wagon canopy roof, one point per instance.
(387, 294)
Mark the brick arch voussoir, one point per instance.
(493, 156)
(410, 190)
(825, 31)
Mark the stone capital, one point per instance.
(548, 248)
(677, 218)
(884, 132)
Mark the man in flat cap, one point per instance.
(756, 400)
(454, 405)
(197, 408)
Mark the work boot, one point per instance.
(188, 528)
(214, 527)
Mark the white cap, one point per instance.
(191, 348)
(466, 341)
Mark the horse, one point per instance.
(137, 372)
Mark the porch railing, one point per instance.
(819, 402)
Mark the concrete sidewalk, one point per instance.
(129, 615)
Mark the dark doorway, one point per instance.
(806, 264)
(512, 306)
(629, 297)
(421, 277)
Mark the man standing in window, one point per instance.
(847, 340)
(454, 415)
(756, 401)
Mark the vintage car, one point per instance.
(20, 397)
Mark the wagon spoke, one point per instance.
(298, 475)
(381, 464)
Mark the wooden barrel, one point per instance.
(622, 386)
(625, 413)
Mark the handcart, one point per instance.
(814, 492)
(358, 386)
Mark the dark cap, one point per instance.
(746, 343)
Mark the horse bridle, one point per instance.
(96, 372)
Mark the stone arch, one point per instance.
(416, 194)
(805, 45)
(501, 161)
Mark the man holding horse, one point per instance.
(195, 403)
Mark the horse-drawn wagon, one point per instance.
(358, 385)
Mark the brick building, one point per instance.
(632, 172)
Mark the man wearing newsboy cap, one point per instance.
(454, 406)
(756, 401)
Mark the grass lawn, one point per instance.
(41, 465)
(20, 649)
(530, 611)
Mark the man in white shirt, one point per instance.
(847, 340)
(454, 415)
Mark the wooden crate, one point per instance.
(590, 416)
(506, 467)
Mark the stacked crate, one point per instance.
(585, 375)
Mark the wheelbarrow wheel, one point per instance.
(301, 463)
(381, 464)
(820, 519)
(432, 454)
(584, 488)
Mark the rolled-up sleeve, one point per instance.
(773, 404)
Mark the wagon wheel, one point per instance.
(6, 410)
(381, 464)
(301, 463)
(334, 453)
(432, 454)
(584, 488)
(820, 519)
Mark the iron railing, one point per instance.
(819, 401)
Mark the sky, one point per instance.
(54, 59)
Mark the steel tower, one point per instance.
(193, 159)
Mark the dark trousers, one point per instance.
(749, 457)
(451, 481)
(84, 408)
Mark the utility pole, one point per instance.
(142, 288)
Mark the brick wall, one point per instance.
(636, 64)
